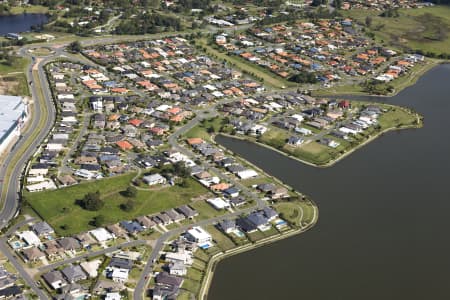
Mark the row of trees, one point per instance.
(149, 23)
(304, 77)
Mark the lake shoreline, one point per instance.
(335, 160)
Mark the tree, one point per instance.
(75, 47)
(368, 21)
(92, 201)
(128, 206)
(98, 221)
(181, 170)
(131, 192)
(304, 77)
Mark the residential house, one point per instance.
(55, 279)
(73, 273)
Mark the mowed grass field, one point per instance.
(60, 210)
(425, 29)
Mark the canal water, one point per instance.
(20, 23)
(383, 230)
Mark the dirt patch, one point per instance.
(8, 85)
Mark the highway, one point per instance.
(12, 187)
(11, 202)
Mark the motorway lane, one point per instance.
(11, 204)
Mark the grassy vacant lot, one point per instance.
(296, 212)
(397, 117)
(15, 84)
(59, 207)
(30, 9)
(424, 29)
(201, 130)
(12, 78)
(18, 65)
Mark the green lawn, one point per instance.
(396, 117)
(206, 211)
(18, 65)
(191, 286)
(201, 130)
(59, 207)
(423, 29)
(221, 239)
(194, 274)
(30, 9)
(295, 212)
(275, 137)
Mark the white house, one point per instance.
(218, 203)
(303, 130)
(154, 179)
(101, 234)
(246, 174)
(30, 238)
(113, 296)
(41, 186)
(119, 275)
(178, 269)
(183, 257)
(198, 235)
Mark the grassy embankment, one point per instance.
(426, 30)
(60, 210)
(399, 84)
(267, 77)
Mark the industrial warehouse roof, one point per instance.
(11, 109)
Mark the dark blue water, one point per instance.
(20, 23)
(383, 231)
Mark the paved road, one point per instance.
(11, 204)
(159, 245)
(55, 265)
(23, 274)
(12, 187)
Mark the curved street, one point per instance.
(42, 120)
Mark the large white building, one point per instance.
(13, 114)
(198, 235)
